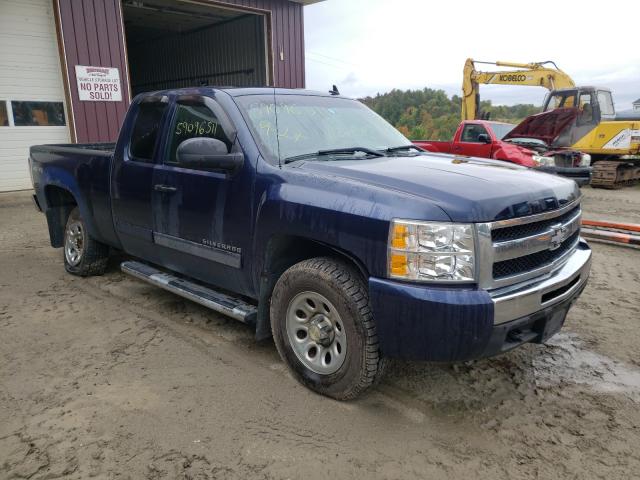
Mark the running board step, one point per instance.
(213, 299)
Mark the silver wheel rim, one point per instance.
(74, 243)
(316, 333)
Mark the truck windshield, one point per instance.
(501, 129)
(308, 124)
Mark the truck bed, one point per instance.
(51, 168)
(434, 145)
(76, 148)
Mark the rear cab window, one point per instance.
(145, 131)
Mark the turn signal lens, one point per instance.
(399, 264)
(399, 236)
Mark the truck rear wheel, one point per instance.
(83, 255)
(323, 328)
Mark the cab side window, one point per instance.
(194, 121)
(606, 103)
(145, 131)
(471, 132)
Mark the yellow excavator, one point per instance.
(581, 118)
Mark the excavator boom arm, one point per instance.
(529, 74)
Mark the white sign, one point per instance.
(621, 141)
(98, 84)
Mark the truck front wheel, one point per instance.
(83, 255)
(323, 328)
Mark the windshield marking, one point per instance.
(307, 124)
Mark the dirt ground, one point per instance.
(107, 377)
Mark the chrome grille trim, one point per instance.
(490, 252)
(536, 243)
(534, 218)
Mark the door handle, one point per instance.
(164, 188)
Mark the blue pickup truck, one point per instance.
(310, 218)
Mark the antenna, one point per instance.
(334, 91)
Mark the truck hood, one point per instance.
(545, 126)
(466, 189)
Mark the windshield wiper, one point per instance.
(336, 151)
(404, 147)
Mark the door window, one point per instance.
(586, 108)
(471, 132)
(145, 131)
(194, 121)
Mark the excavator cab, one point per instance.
(590, 106)
(594, 103)
(579, 118)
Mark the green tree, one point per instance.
(431, 114)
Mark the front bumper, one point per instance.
(581, 175)
(445, 324)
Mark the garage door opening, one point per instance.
(184, 44)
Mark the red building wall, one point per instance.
(91, 33)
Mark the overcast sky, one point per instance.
(371, 46)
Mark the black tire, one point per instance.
(93, 255)
(340, 283)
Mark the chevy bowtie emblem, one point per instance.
(557, 236)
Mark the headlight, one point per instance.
(431, 251)
(544, 161)
(585, 160)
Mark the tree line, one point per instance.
(431, 114)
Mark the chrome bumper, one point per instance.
(518, 301)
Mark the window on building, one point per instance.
(40, 114)
(192, 121)
(4, 117)
(471, 132)
(145, 130)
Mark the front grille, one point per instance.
(536, 260)
(529, 229)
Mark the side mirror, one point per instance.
(208, 154)
(484, 138)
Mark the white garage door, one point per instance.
(31, 90)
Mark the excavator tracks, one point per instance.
(614, 174)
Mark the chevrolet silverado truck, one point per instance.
(511, 143)
(311, 219)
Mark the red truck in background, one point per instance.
(501, 141)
